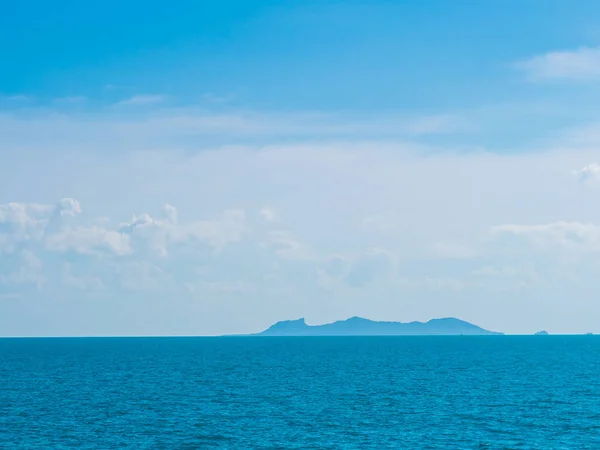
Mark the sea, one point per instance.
(461, 392)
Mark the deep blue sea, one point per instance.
(301, 393)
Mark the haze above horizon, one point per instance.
(209, 168)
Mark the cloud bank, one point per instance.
(312, 215)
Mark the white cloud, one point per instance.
(33, 223)
(68, 207)
(26, 222)
(589, 173)
(227, 228)
(582, 64)
(55, 229)
(268, 214)
(286, 246)
(160, 234)
(23, 215)
(92, 240)
(572, 236)
(170, 213)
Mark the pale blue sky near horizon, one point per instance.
(177, 168)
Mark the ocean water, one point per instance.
(301, 393)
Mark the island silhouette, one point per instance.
(358, 326)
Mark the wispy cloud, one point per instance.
(215, 98)
(142, 100)
(582, 64)
(73, 100)
(16, 99)
(152, 124)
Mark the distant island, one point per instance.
(357, 326)
(542, 333)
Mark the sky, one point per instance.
(206, 168)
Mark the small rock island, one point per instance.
(357, 326)
(542, 333)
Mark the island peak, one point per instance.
(359, 326)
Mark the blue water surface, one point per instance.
(300, 393)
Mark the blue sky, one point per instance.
(186, 168)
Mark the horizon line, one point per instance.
(258, 335)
